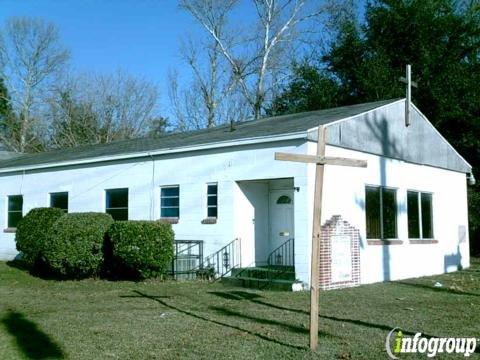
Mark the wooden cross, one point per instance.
(320, 160)
(410, 83)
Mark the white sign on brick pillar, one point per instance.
(341, 261)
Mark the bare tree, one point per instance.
(93, 109)
(207, 82)
(31, 55)
(208, 99)
(201, 101)
(187, 105)
(255, 58)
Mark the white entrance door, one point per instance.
(281, 217)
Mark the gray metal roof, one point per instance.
(5, 155)
(278, 125)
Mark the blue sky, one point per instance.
(139, 36)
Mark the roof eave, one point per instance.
(143, 154)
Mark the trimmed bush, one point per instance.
(31, 236)
(75, 246)
(140, 249)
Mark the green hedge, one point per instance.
(140, 249)
(31, 235)
(75, 246)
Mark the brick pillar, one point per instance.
(339, 230)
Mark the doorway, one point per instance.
(281, 217)
(265, 217)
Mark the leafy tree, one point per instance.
(5, 108)
(157, 127)
(474, 220)
(442, 42)
(309, 89)
(10, 126)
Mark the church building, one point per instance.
(403, 216)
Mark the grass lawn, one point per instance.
(95, 319)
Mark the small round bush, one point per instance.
(31, 235)
(140, 249)
(75, 247)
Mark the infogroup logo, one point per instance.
(397, 343)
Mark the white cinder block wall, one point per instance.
(86, 186)
(344, 194)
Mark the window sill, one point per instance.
(169, 220)
(10, 230)
(384, 242)
(423, 241)
(209, 220)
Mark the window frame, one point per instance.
(117, 208)
(212, 195)
(382, 237)
(58, 193)
(420, 215)
(10, 211)
(170, 197)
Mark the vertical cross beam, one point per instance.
(408, 95)
(316, 236)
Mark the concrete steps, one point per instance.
(262, 277)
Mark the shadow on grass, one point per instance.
(160, 300)
(235, 295)
(42, 271)
(255, 298)
(32, 341)
(296, 329)
(469, 270)
(18, 264)
(38, 271)
(436, 289)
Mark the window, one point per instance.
(413, 215)
(420, 218)
(170, 202)
(212, 200)
(117, 203)
(15, 210)
(381, 212)
(284, 199)
(59, 200)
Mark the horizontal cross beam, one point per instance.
(320, 160)
(404, 80)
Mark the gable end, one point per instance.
(383, 132)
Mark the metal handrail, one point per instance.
(284, 255)
(224, 260)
